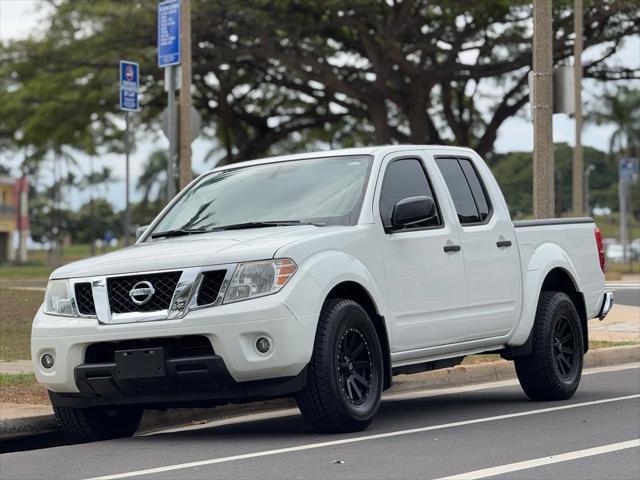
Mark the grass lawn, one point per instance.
(17, 309)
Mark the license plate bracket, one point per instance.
(140, 363)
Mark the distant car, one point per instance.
(615, 253)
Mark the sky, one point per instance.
(20, 17)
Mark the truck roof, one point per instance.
(377, 149)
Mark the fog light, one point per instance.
(263, 345)
(47, 360)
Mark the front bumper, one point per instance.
(232, 330)
(607, 303)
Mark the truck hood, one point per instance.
(191, 251)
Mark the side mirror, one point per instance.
(409, 211)
(140, 231)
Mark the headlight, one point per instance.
(59, 299)
(257, 279)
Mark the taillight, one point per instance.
(600, 246)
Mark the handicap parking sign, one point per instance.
(129, 86)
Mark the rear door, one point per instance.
(488, 245)
(425, 284)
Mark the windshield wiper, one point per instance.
(178, 232)
(274, 223)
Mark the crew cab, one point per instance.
(320, 275)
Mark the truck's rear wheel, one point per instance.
(344, 383)
(81, 425)
(553, 369)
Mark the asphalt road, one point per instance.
(436, 434)
(625, 294)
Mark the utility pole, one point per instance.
(543, 165)
(578, 162)
(184, 100)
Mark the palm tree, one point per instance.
(153, 180)
(622, 109)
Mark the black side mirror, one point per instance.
(409, 211)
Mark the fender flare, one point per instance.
(546, 258)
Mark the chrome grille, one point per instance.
(210, 287)
(164, 284)
(84, 299)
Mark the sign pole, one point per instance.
(129, 102)
(171, 105)
(169, 58)
(127, 213)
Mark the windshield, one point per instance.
(320, 190)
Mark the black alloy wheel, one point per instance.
(564, 348)
(354, 365)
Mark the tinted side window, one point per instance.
(459, 190)
(402, 179)
(479, 195)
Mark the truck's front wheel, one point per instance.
(81, 425)
(344, 383)
(553, 369)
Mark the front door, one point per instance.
(425, 284)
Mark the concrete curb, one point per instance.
(450, 377)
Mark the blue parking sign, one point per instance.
(169, 33)
(129, 86)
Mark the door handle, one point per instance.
(503, 243)
(452, 248)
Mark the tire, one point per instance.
(82, 425)
(557, 333)
(334, 399)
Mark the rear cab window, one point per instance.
(469, 195)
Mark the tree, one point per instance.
(153, 180)
(621, 108)
(93, 219)
(513, 171)
(282, 73)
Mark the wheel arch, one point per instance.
(547, 267)
(560, 280)
(353, 290)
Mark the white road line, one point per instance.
(538, 462)
(388, 397)
(363, 438)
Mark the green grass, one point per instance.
(17, 309)
(7, 379)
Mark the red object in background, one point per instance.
(21, 189)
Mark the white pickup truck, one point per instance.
(322, 276)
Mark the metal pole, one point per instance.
(184, 98)
(578, 162)
(622, 198)
(171, 105)
(127, 212)
(543, 185)
(587, 176)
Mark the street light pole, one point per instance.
(578, 162)
(587, 175)
(543, 165)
